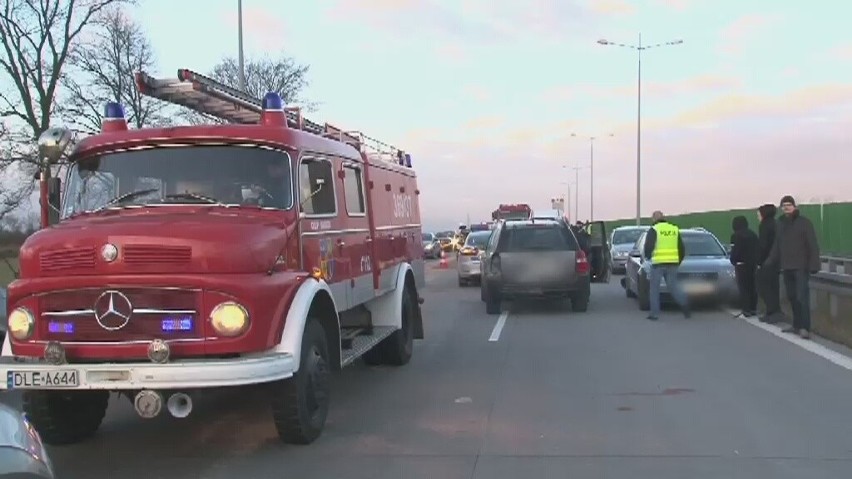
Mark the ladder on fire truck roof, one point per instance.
(210, 97)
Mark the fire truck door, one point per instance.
(324, 235)
(357, 249)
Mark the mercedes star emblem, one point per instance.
(113, 310)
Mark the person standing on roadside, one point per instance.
(796, 253)
(665, 250)
(768, 283)
(744, 257)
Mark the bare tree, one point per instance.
(282, 75)
(103, 70)
(37, 38)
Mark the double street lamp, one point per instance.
(591, 171)
(576, 188)
(639, 48)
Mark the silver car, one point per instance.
(621, 242)
(469, 256)
(431, 246)
(22, 453)
(705, 275)
(534, 259)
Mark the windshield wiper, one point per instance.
(193, 196)
(127, 196)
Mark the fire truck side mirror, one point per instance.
(53, 143)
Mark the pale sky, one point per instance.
(756, 103)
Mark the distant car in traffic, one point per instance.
(706, 274)
(445, 239)
(621, 243)
(469, 256)
(534, 259)
(431, 246)
(22, 453)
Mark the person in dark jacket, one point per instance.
(744, 257)
(796, 253)
(768, 283)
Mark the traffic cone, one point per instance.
(443, 264)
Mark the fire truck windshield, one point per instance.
(229, 175)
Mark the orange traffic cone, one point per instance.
(443, 264)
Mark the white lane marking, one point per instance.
(828, 354)
(498, 328)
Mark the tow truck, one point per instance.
(512, 212)
(267, 250)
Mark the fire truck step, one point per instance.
(363, 343)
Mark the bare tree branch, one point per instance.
(103, 69)
(282, 75)
(37, 36)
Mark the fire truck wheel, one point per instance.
(397, 349)
(65, 417)
(300, 403)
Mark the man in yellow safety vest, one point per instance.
(664, 249)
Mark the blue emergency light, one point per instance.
(113, 111)
(273, 101)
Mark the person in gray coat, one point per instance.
(795, 252)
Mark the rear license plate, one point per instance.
(698, 287)
(62, 378)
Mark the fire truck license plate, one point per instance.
(63, 378)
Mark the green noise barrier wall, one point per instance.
(832, 221)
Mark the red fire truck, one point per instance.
(269, 249)
(512, 212)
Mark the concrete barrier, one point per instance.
(831, 306)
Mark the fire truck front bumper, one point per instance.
(178, 374)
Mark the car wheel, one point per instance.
(644, 295)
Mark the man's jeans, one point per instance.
(668, 271)
(797, 284)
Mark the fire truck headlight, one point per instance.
(21, 324)
(229, 319)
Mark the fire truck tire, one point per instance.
(65, 417)
(300, 404)
(397, 349)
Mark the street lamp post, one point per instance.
(639, 49)
(576, 189)
(591, 172)
(240, 56)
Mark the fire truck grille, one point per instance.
(156, 254)
(122, 314)
(67, 259)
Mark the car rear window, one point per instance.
(538, 238)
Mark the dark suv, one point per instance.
(538, 258)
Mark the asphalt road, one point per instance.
(599, 394)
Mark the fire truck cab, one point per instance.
(268, 250)
(512, 212)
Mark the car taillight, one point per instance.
(582, 265)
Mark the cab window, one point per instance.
(353, 190)
(316, 182)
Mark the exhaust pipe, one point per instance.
(148, 404)
(179, 405)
